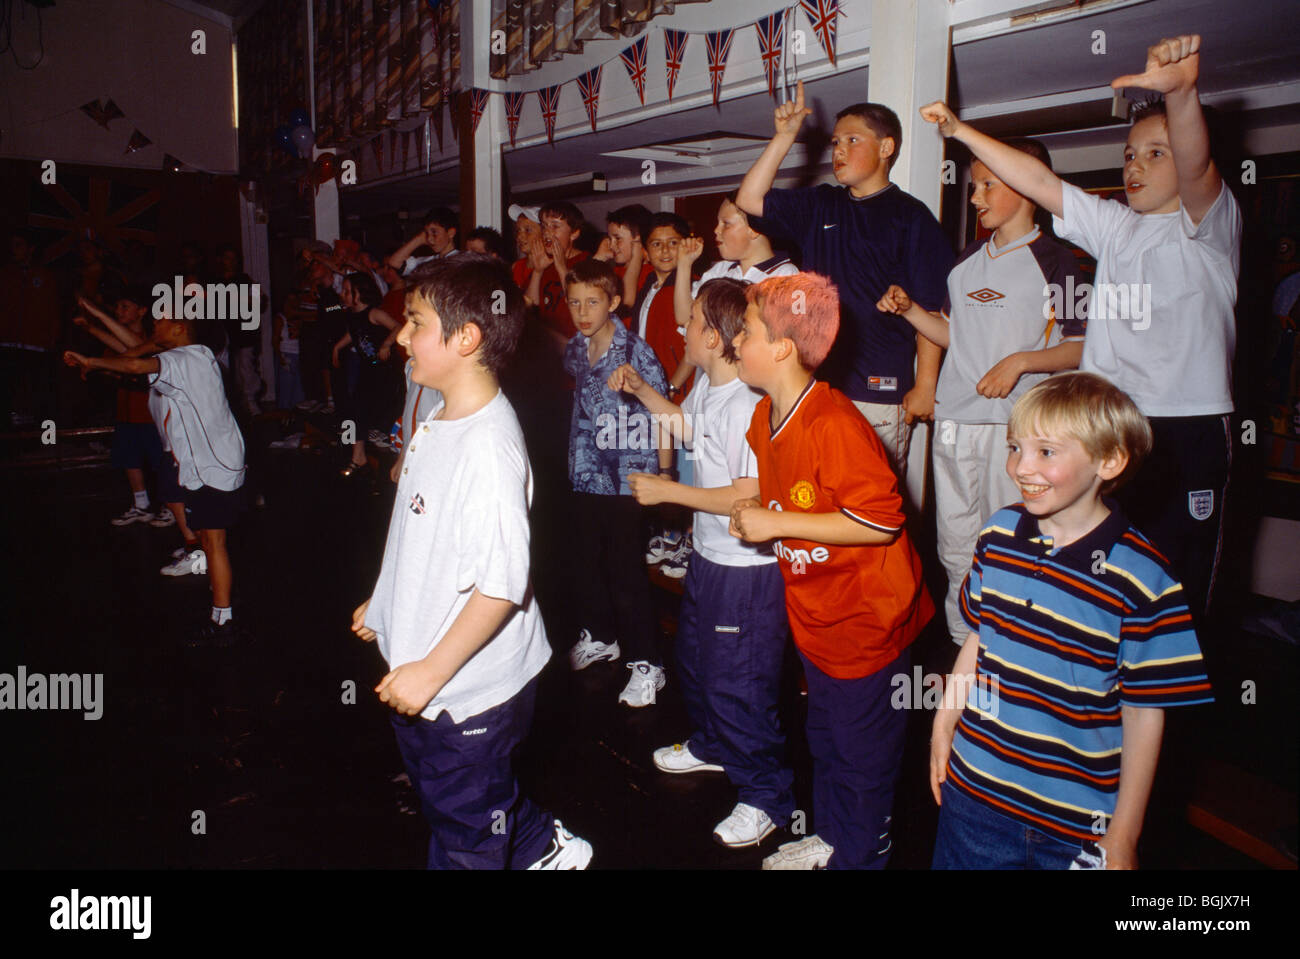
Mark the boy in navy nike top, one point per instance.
(1080, 638)
(864, 235)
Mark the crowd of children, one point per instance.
(763, 411)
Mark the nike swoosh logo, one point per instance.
(827, 226)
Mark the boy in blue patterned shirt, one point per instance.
(611, 434)
(1080, 639)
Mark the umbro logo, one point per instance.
(417, 504)
(986, 295)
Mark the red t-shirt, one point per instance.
(852, 609)
(520, 271)
(554, 304)
(625, 308)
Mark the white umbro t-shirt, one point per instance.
(201, 431)
(1177, 359)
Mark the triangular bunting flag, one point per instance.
(478, 100)
(549, 99)
(111, 112)
(634, 59)
(822, 15)
(138, 141)
(719, 46)
(171, 164)
(514, 107)
(674, 51)
(95, 112)
(589, 87)
(771, 40)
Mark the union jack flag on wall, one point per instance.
(771, 40)
(589, 87)
(674, 51)
(549, 99)
(477, 104)
(822, 14)
(514, 107)
(634, 59)
(719, 44)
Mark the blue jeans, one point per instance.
(288, 383)
(973, 836)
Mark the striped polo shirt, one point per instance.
(1067, 638)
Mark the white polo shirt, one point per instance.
(201, 431)
(460, 523)
(718, 417)
(413, 261)
(1177, 360)
(778, 265)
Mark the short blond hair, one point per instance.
(1090, 409)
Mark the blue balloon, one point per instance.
(299, 118)
(283, 139)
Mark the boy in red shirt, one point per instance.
(829, 502)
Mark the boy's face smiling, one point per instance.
(620, 242)
(661, 246)
(432, 356)
(439, 237)
(1059, 480)
(1150, 179)
(858, 155)
(993, 200)
(590, 308)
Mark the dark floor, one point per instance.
(286, 774)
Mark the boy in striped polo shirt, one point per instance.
(1081, 638)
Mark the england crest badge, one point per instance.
(1200, 503)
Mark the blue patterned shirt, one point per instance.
(611, 434)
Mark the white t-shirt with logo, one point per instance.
(718, 417)
(460, 523)
(201, 431)
(1176, 360)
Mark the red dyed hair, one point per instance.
(803, 308)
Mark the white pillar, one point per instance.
(910, 46)
(257, 264)
(476, 31)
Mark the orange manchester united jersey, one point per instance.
(852, 609)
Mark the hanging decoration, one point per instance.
(771, 43)
(634, 60)
(822, 14)
(674, 51)
(514, 107)
(589, 87)
(549, 99)
(719, 47)
(477, 104)
(138, 141)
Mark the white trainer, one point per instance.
(662, 546)
(163, 519)
(746, 826)
(680, 759)
(645, 682)
(189, 561)
(587, 651)
(134, 515)
(566, 851)
(809, 853)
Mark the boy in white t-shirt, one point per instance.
(207, 446)
(453, 609)
(732, 627)
(1160, 314)
(1002, 338)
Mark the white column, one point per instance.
(910, 46)
(257, 264)
(476, 32)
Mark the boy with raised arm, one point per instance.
(1161, 324)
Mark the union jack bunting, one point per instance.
(771, 40)
(514, 107)
(719, 45)
(674, 51)
(477, 104)
(822, 14)
(634, 59)
(589, 87)
(549, 100)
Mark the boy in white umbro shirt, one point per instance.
(732, 628)
(453, 609)
(1002, 338)
(1161, 323)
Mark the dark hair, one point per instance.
(473, 288)
(723, 303)
(136, 295)
(366, 289)
(1033, 147)
(225, 248)
(567, 212)
(668, 219)
(597, 273)
(633, 216)
(1151, 107)
(443, 217)
(882, 121)
(494, 241)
